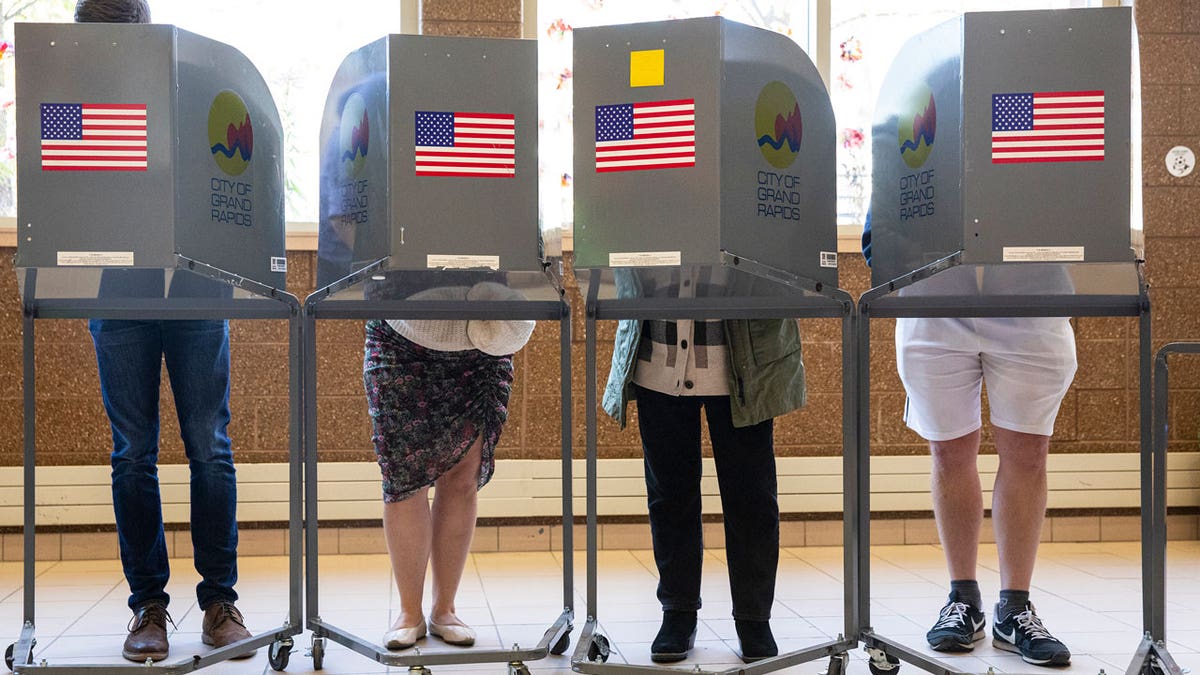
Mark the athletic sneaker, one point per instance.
(958, 628)
(1024, 634)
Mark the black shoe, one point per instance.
(676, 636)
(1024, 634)
(958, 628)
(757, 641)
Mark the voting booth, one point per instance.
(704, 187)
(1004, 138)
(1004, 185)
(428, 189)
(149, 186)
(700, 141)
(146, 146)
(427, 162)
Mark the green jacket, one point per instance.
(766, 369)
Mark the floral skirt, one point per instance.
(427, 408)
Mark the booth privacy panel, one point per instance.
(139, 145)
(742, 161)
(429, 157)
(1005, 136)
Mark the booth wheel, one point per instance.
(8, 655)
(318, 652)
(518, 668)
(598, 649)
(560, 647)
(278, 653)
(882, 663)
(837, 664)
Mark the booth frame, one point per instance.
(278, 641)
(593, 649)
(556, 638)
(885, 653)
(1152, 655)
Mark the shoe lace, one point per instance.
(1032, 625)
(155, 614)
(229, 612)
(954, 614)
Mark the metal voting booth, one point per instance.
(428, 184)
(704, 189)
(150, 186)
(1002, 189)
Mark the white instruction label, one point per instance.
(459, 262)
(95, 258)
(645, 259)
(278, 263)
(829, 259)
(1043, 254)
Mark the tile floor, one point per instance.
(1089, 595)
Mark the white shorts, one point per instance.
(1028, 364)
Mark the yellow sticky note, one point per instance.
(646, 68)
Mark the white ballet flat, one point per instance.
(453, 634)
(403, 638)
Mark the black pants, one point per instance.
(745, 459)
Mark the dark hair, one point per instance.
(112, 11)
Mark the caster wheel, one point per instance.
(318, 652)
(518, 668)
(278, 654)
(419, 670)
(560, 647)
(883, 664)
(8, 655)
(837, 665)
(598, 650)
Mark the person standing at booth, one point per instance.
(741, 374)
(129, 356)
(437, 393)
(1028, 364)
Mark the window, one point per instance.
(556, 20)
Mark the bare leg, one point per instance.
(1019, 504)
(454, 508)
(958, 502)
(408, 530)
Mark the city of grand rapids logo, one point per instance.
(777, 125)
(230, 135)
(917, 128)
(354, 135)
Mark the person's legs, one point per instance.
(670, 431)
(408, 529)
(129, 358)
(957, 502)
(1019, 504)
(745, 461)
(454, 508)
(197, 356)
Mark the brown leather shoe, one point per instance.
(224, 625)
(148, 633)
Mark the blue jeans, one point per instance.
(745, 459)
(130, 355)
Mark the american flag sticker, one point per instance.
(1046, 126)
(474, 145)
(638, 136)
(94, 137)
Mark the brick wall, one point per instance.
(1098, 415)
